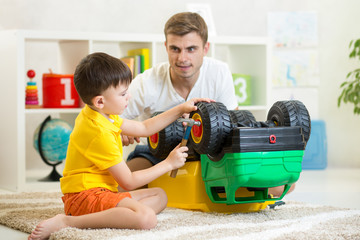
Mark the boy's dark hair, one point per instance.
(97, 72)
(186, 22)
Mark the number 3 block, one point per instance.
(242, 85)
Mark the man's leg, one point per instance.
(277, 191)
(138, 163)
(141, 158)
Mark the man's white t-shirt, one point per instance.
(152, 91)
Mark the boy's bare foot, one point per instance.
(45, 228)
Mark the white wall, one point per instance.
(338, 24)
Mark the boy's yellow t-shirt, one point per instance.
(94, 146)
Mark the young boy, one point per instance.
(94, 165)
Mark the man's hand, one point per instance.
(127, 140)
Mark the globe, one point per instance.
(52, 135)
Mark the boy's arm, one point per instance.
(131, 180)
(128, 180)
(159, 122)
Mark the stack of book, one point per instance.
(138, 60)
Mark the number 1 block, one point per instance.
(59, 91)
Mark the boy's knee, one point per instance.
(163, 199)
(148, 219)
(162, 194)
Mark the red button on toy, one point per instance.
(272, 139)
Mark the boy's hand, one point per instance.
(127, 140)
(189, 106)
(177, 157)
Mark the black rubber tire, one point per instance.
(291, 113)
(167, 139)
(242, 118)
(216, 126)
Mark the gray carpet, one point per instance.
(294, 220)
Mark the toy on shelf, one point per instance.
(31, 92)
(59, 91)
(51, 139)
(234, 159)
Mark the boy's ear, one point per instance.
(98, 101)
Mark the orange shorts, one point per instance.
(92, 200)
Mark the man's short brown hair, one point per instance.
(186, 22)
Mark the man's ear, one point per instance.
(98, 101)
(165, 43)
(206, 48)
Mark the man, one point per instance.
(188, 74)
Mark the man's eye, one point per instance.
(174, 49)
(193, 49)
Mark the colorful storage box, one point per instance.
(315, 156)
(59, 91)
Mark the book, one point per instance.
(130, 61)
(142, 63)
(145, 52)
(137, 67)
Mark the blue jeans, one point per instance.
(143, 151)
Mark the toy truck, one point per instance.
(234, 159)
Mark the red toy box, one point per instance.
(59, 91)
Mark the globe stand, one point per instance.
(54, 176)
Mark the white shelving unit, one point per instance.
(250, 56)
(21, 50)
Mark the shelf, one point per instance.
(52, 110)
(61, 51)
